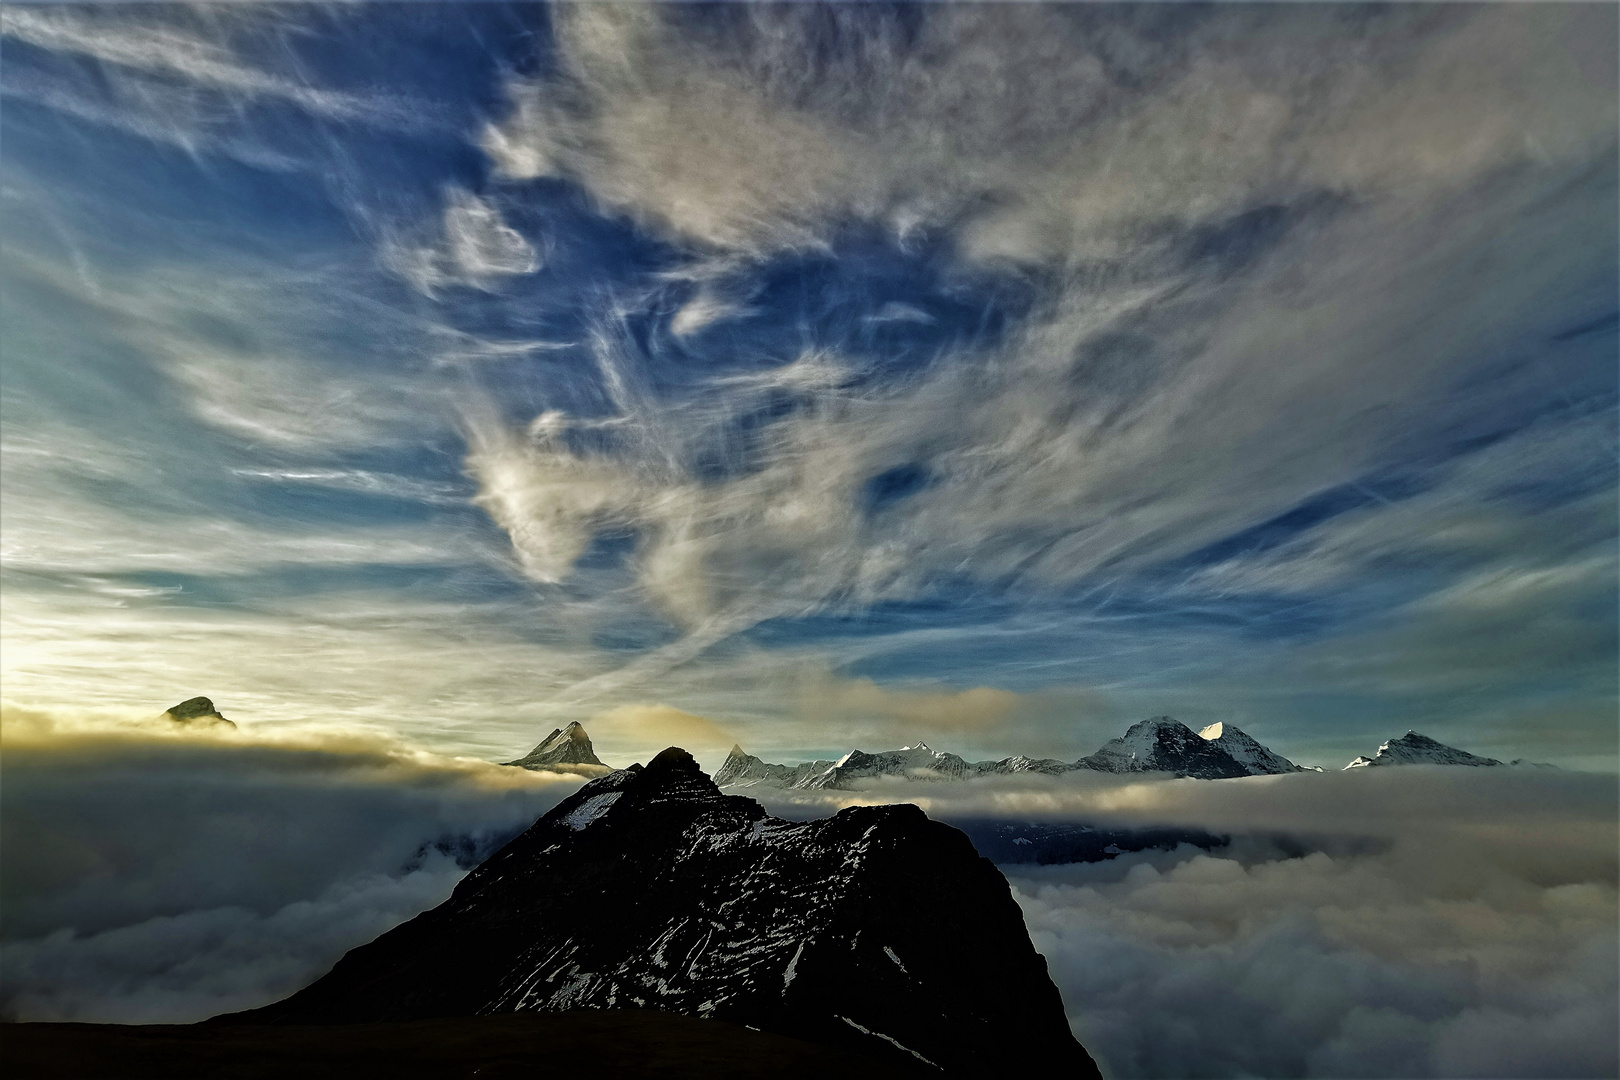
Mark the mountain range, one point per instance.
(1161, 744)
(877, 931)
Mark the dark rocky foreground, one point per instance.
(876, 932)
(529, 1045)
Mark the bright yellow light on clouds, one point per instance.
(334, 744)
(927, 711)
(652, 727)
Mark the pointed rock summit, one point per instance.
(1415, 749)
(876, 930)
(196, 712)
(568, 746)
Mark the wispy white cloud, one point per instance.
(187, 55)
(1079, 128)
(477, 246)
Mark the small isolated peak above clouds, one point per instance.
(197, 710)
(564, 750)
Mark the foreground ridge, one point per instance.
(876, 930)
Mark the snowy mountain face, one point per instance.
(1161, 744)
(1164, 744)
(876, 930)
(1415, 749)
(1020, 764)
(564, 746)
(1246, 751)
(744, 771)
(919, 762)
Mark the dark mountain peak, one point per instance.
(197, 710)
(649, 889)
(674, 774)
(674, 761)
(191, 708)
(568, 746)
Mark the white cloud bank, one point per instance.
(1322, 966)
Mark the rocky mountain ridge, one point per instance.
(1158, 745)
(875, 930)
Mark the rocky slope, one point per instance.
(875, 930)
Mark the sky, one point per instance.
(813, 377)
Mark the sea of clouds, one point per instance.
(1402, 922)
(1390, 923)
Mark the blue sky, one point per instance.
(813, 377)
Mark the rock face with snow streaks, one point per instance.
(875, 930)
(1415, 749)
(1159, 745)
(920, 762)
(742, 770)
(1164, 744)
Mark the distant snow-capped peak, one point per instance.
(1415, 749)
